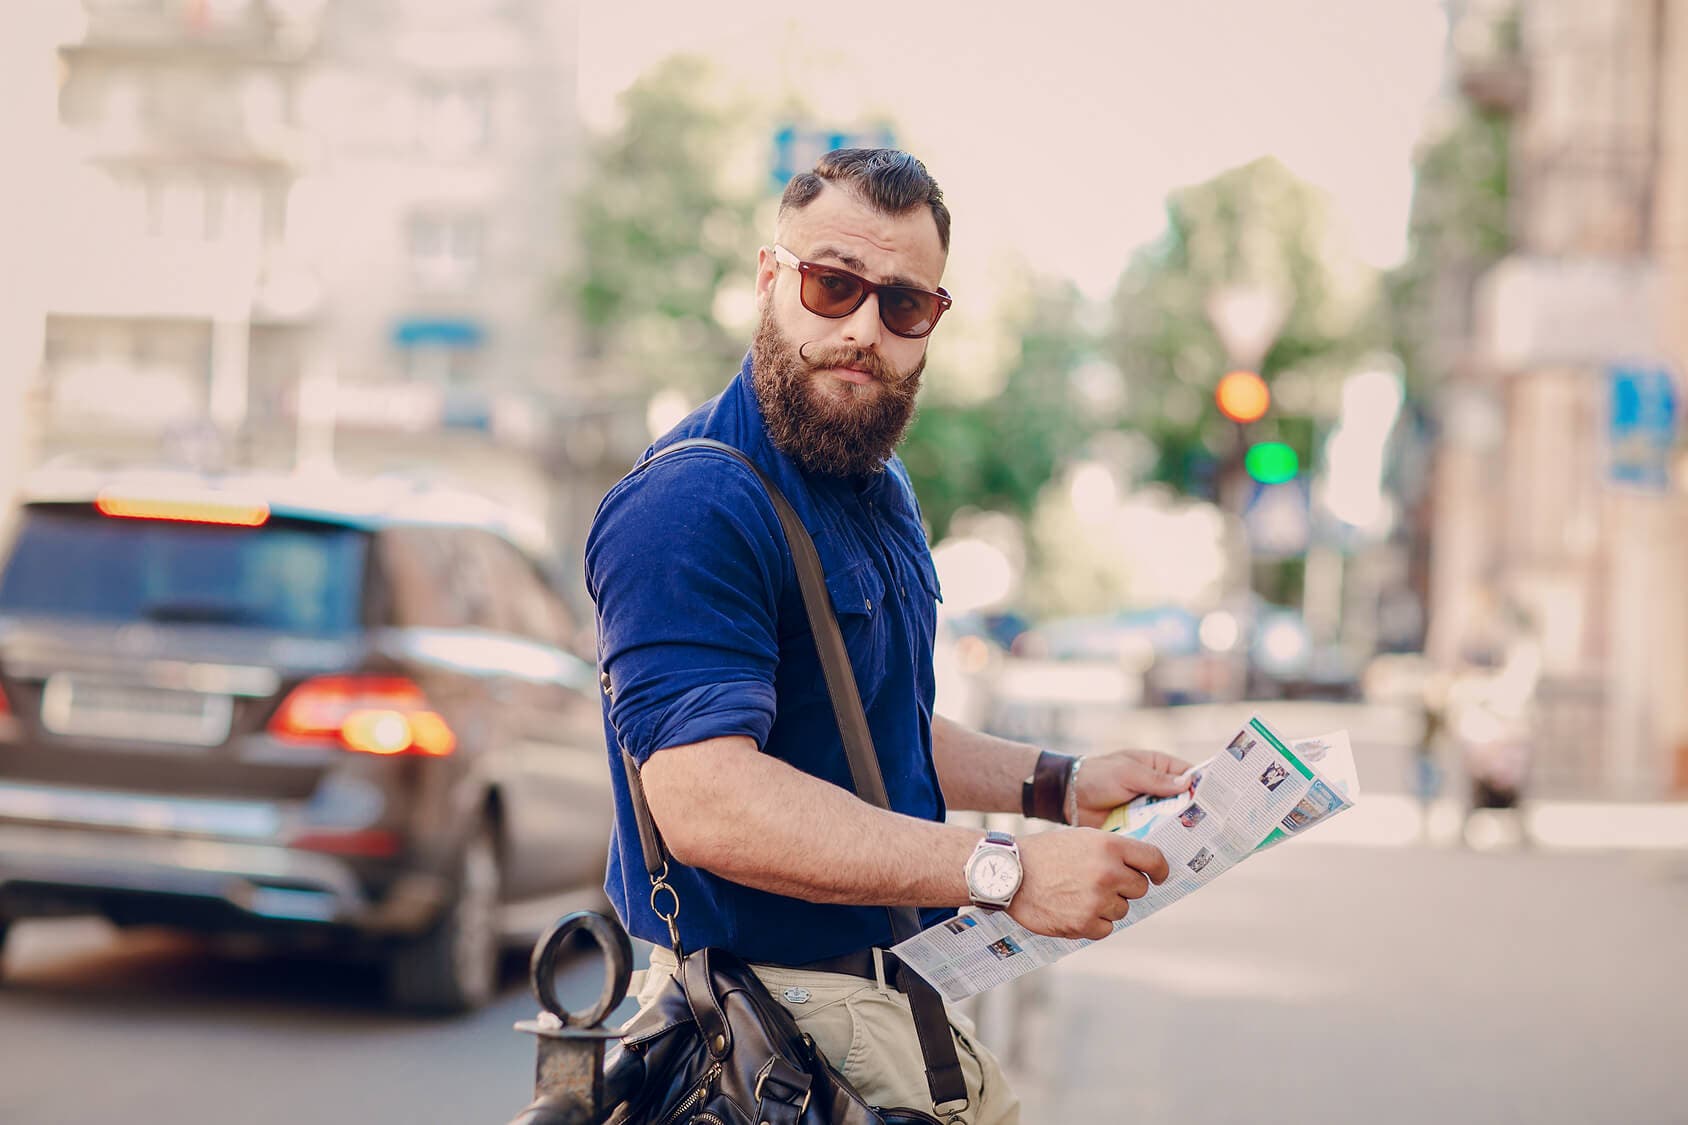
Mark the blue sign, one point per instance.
(1642, 429)
(445, 332)
(798, 149)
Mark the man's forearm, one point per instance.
(726, 807)
(979, 772)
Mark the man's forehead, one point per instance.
(836, 226)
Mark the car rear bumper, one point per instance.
(261, 882)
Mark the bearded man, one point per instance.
(718, 691)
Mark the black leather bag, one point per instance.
(716, 1048)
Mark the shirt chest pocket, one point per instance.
(857, 593)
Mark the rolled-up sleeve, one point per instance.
(684, 563)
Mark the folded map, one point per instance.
(1257, 792)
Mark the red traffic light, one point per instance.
(1242, 396)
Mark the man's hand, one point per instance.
(1078, 882)
(1107, 781)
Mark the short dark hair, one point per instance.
(889, 181)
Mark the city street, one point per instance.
(1338, 983)
(1346, 378)
(152, 1029)
(1359, 976)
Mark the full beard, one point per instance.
(826, 425)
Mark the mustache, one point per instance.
(859, 358)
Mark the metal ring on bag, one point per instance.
(657, 910)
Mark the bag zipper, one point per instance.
(692, 1100)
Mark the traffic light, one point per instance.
(1271, 462)
(1242, 397)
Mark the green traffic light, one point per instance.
(1271, 462)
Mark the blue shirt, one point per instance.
(701, 629)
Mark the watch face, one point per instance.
(995, 875)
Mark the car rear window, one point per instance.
(290, 576)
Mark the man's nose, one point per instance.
(862, 327)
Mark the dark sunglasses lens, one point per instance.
(907, 312)
(830, 293)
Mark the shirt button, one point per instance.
(869, 604)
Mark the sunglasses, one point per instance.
(834, 293)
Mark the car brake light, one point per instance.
(182, 511)
(384, 715)
(374, 843)
(5, 705)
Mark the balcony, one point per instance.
(1495, 84)
(1489, 61)
(259, 30)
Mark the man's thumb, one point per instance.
(1163, 784)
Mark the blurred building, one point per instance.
(317, 234)
(1561, 509)
(28, 117)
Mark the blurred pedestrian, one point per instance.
(1427, 769)
(1493, 719)
(717, 692)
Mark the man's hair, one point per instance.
(889, 181)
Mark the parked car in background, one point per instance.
(346, 721)
(1286, 663)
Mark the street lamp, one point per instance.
(1246, 317)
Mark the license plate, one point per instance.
(134, 713)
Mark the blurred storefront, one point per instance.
(1561, 512)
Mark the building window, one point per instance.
(453, 117)
(439, 364)
(184, 206)
(445, 250)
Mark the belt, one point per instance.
(860, 964)
(931, 1022)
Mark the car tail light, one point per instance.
(384, 715)
(371, 843)
(5, 705)
(182, 511)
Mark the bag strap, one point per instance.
(931, 1023)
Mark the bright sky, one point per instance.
(1016, 105)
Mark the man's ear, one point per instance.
(766, 270)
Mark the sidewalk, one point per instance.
(1391, 985)
(1387, 816)
(1396, 820)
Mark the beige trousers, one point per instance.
(865, 1030)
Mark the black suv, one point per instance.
(355, 724)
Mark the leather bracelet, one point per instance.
(1044, 794)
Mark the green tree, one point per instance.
(1257, 225)
(997, 454)
(664, 230)
(1458, 228)
(668, 223)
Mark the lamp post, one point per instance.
(1246, 317)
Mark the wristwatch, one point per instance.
(993, 871)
